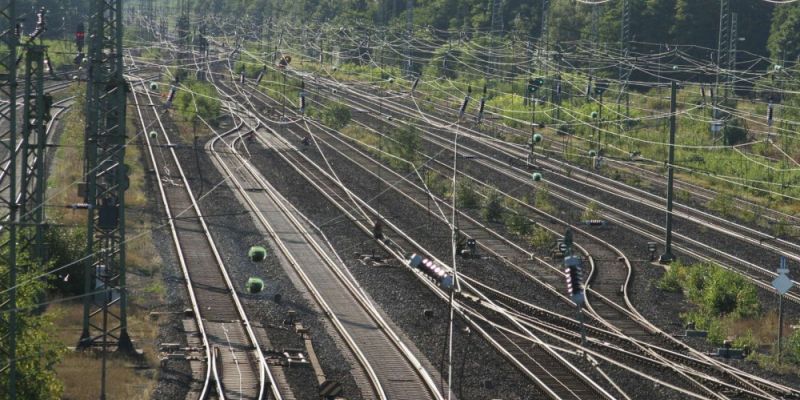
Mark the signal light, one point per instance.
(574, 277)
(261, 75)
(80, 36)
(429, 268)
(534, 84)
(47, 105)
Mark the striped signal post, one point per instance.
(573, 273)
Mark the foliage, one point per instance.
(336, 115)
(37, 353)
(734, 132)
(541, 238)
(542, 200)
(64, 246)
(466, 197)
(792, 347)
(406, 144)
(517, 223)
(591, 211)
(197, 99)
(713, 289)
(492, 207)
(783, 43)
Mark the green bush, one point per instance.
(406, 145)
(714, 290)
(517, 223)
(734, 133)
(492, 208)
(197, 98)
(592, 211)
(541, 238)
(466, 196)
(792, 347)
(336, 115)
(541, 200)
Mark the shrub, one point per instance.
(541, 238)
(465, 194)
(492, 208)
(542, 201)
(734, 132)
(336, 116)
(591, 211)
(517, 223)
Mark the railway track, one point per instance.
(235, 366)
(390, 369)
(638, 210)
(638, 328)
(536, 370)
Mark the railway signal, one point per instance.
(80, 35)
(600, 87)
(574, 276)
(302, 97)
(432, 270)
(770, 111)
(533, 85)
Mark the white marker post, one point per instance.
(782, 284)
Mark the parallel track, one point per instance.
(235, 365)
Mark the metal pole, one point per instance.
(583, 327)
(780, 327)
(668, 257)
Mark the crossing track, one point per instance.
(551, 372)
(623, 277)
(389, 370)
(606, 284)
(235, 365)
(745, 249)
(637, 326)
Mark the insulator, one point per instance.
(480, 110)
(463, 107)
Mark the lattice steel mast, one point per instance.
(107, 180)
(8, 196)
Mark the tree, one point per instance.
(37, 353)
(783, 40)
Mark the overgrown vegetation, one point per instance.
(37, 354)
(726, 305)
(592, 211)
(492, 207)
(198, 99)
(335, 115)
(466, 197)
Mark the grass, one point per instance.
(726, 305)
(80, 371)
